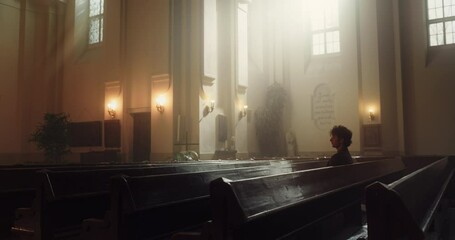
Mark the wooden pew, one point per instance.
(405, 209)
(18, 182)
(18, 187)
(312, 204)
(151, 207)
(65, 198)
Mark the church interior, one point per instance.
(119, 115)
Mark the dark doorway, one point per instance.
(141, 136)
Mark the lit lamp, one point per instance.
(371, 114)
(111, 108)
(244, 111)
(160, 103)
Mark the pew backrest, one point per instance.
(414, 163)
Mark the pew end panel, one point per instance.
(225, 207)
(387, 215)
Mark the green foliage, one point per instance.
(52, 136)
(269, 122)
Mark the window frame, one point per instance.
(324, 31)
(444, 20)
(99, 17)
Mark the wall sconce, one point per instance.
(209, 107)
(243, 112)
(371, 114)
(212, 106)
(111, 108)
(160, 103)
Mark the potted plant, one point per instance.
(52, 136)
(269, 122)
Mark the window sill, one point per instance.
(94, 45)
(326, 55)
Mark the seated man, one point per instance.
(340, 137)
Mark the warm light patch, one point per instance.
(112, 105)
(371, 115)
(112, 108)
(160, 101)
